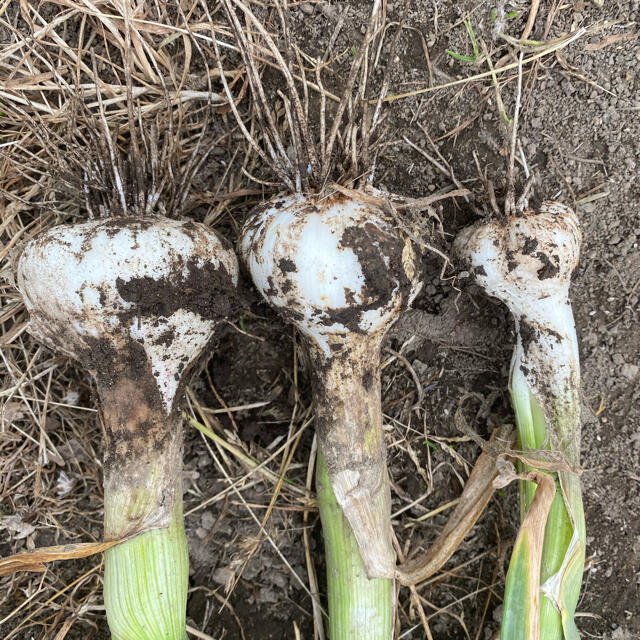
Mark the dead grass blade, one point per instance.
(38, 559)
(476, 494)
(555, 46)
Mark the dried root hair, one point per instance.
(97, 155)
(344, 152)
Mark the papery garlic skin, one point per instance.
(308, 258)
(124, 279)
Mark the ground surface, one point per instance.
(580, 133)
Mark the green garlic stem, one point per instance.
(555, 624)
(146, 577)
(145, 584)
(359, 608)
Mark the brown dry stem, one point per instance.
(476, 494)
(346, 392)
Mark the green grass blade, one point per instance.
(474, 45)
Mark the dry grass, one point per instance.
(161, 96)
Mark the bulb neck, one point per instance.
(143, 459)
(346, 393)
(546, 363)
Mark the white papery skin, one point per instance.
(336, 269)
(308, 234)
(69, 279)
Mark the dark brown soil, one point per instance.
(375, 250)
(205, 290)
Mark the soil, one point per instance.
(580, 134)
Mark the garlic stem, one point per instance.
(359, 608)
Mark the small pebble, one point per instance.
(279, 580)
(207, 520)
(268, 595)
(222, 576)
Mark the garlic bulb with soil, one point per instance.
(336, 268)
(135, 301)
(527, 263)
